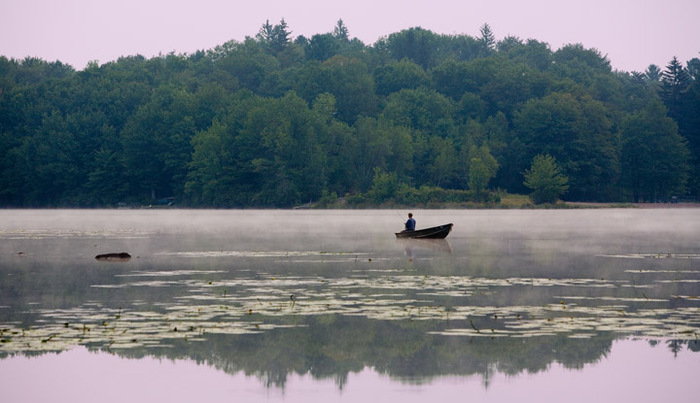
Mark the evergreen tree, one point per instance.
(675, 82)
(680, 92)
(341, 31)
(277, 37)
(266, 32)
(280, 36)
(487, 40)
(653, 73)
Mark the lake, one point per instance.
(326, 305)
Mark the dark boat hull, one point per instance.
(438, 232)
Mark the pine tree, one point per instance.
(653, 73)
(675, 81)
(341, 31)
(488, 40)
(275, 36)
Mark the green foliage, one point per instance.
(420, 108)
(207, 182)
(322, 47)
(482, 168)
(578, 133)
(384, 186)
(654, 156)
(416, 44)
(395, 77)
(425, 195)
(479, 175)
(276, 121)
(327, 199)
(580, 64)
(545, 179)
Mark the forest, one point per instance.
(417, 117)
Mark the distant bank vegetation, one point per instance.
(415, 118)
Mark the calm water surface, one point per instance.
(329, 306)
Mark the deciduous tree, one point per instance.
(545, 179)
(654, 155)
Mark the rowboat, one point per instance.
(438, 232)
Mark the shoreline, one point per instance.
(633, 205)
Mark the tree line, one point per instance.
(275, 121)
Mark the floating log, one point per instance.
(114, 257)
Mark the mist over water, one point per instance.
(297, 298)
(151, 231)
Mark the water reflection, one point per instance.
(413, 245)
(633, 371)
(514, 294)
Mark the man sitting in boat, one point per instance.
(410, 223)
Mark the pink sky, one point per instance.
(632, 33)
